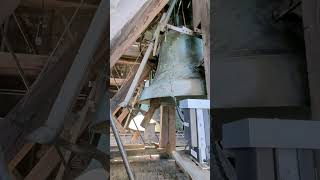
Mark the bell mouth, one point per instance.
(172, 100)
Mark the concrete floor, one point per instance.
(162, 169)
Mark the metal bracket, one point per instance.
(183, 30)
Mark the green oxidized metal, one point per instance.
(176, 75)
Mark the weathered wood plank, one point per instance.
(31, 64)
(51, 4)
(124, 35)
(189, 167)
(123, 115)
(196, 12)
(75, 78)
(20, 155)
(139, 152)
(172, 129)
(83, 121)
(154, 105)
(164, 127)
(116, 81)
(45, 166)
(205, 28)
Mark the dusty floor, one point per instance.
(163, 169)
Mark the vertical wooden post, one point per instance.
(168, 128)
(164, 135)
(172, 129)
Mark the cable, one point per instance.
(179, 114)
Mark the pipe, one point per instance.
(23, 34)
(137, 76)
(121, 148)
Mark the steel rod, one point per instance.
(137, 76)
(169, 12)
(121, 148)
(5, 26)
(23, 34)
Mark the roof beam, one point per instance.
(126, 26)
(116, 81)
(51, 4)
(127, 61)
(31, 64)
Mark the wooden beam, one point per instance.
(126, 26)
(132, 52)
(139, 152)
(127, 61)
(196, 12)
(34, 108)
(123, 115)
(164, 127)
(82, 122)
(154, 105)
(201, 15)
(45, 166)
(205, 28)
(168, 128)
(20, 155)
(116, 81)
(127, 147)
(119, 97)
(189, 167)
(52, 4)
(172, 129)
(31, 64)
(75, 78)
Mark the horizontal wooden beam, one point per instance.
(128, 61)
(50, 4)
(127, 147)
(139, 152)
(116, 81)
(133, 51)
(31, 64)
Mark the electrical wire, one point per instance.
(179, 114)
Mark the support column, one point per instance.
(172, 129)
(168, 127)
(164, 135)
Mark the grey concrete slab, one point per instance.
(272, 133)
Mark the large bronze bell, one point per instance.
(176, 75)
